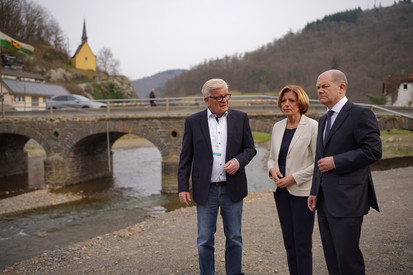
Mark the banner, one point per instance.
(7, 41)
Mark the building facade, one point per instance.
(399, 90)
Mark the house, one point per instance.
(21, 75)
(28, 94)
(399, 90)
(84, 58)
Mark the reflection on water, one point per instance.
(132, 195)
(19, 184)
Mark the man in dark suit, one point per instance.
(217, 145)
(342, 190)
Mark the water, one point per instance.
(132, 195)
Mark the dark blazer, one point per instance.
(196, 155)
(354, 142)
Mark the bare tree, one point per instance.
(106, 62)
(10, 16)
(31, 23)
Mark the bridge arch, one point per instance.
(13, 157)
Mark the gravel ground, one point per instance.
(167, 244)
(35, 199)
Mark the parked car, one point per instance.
(72, 101)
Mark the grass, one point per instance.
(400, 132)
(397, 142)
(261, 137)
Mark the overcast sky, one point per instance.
(151, 36)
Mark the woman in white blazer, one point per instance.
(290, 166)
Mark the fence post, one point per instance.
(167, 106)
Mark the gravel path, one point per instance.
(167, 244)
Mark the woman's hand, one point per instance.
(285, 182)
(280, 180)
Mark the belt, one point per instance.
(219, 183)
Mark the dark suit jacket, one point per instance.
(197, 155)
(354, 142)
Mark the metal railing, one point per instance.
(188, 101)
(168, 103)
(386, 110)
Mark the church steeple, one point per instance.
(84, 58)
(84, 35)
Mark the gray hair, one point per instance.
(213, 84)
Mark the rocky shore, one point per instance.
(167, 244)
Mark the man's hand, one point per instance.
(184, 197)
(311, 201)
(326, 164)
(231, 166)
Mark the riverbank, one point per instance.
(167, 244)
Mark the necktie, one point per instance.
(328, 127)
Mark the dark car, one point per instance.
(72, 102)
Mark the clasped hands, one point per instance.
(280, 180)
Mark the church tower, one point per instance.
(84, 58)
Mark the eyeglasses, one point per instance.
(221, 97)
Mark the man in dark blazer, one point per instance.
(216, 146)
(342, 189)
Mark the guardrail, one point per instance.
(189, 101)
(168, 103)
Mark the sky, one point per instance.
(151, 36)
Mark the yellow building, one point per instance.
(84, 58)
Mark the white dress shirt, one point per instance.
(218, 135)
(336, 109)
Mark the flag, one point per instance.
(7, 41)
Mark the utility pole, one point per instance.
(1, 85)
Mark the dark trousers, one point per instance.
(340, 238)
(297, 223)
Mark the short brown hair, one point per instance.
(302, 97)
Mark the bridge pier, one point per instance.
(56, 171)
(60, 171)
(86, 161)
(170, 174)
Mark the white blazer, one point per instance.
(301, 154)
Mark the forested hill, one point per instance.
(367, 45)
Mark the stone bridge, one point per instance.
(78, 146)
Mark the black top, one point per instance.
(285, 144)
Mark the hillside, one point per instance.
(367, 45)
(144, 85)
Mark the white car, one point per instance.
(72, 102)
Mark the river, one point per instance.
(131, 195)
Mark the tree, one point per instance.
(31, 23)
(106, 62)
